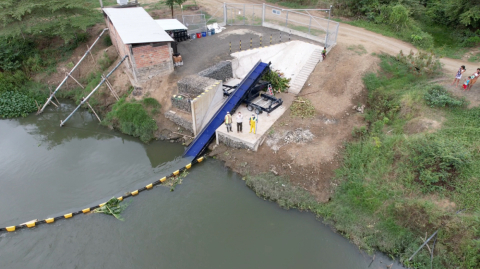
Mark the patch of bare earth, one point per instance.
(334, 88)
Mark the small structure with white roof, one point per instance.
(136, 34)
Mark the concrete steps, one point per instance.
(297, 84)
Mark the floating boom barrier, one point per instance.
(35, 223)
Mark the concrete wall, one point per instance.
(294, 32)
(221, 71)
(152, 59)
(206, 105)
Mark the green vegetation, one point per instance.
(64, 18)
(277, 80)
(396, 186)
(438, 96)
(446, 26)
(132, 118)
(302, 108)
(113, 207)
(281, 190)
(14, 104)
(358, 49)
(474, 58)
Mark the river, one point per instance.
(211, 220)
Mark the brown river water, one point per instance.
(211, 220)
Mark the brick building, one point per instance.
(136, 34)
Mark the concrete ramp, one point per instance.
(297, 83)
(295, 59)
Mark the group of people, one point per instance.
(469, 80)
(252, 121)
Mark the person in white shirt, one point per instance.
(239, 122)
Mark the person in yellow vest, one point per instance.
(228, 122)
(253, 122)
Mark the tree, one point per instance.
(172, 3)
(62, 18)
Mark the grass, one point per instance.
(393, 186)
(358, 49)
(474, 58)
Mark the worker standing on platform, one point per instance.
(253, 123)
(228, 122)
(239, 122)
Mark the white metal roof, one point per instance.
(171, 24)
(135, 25)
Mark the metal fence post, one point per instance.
(244, 14)
(263, 14)
(225, 13)
(336, 33)
(309, 24)
(286, 20)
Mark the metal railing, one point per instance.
(297, 22)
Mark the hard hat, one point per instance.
(228, 112)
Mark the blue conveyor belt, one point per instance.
(205, 136)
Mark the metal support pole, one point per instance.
(286, 20)
(426, 241)
(263, 14)
(270, 39)
(93, 91)
(240, 45)
(101, 3)
(230, 47)
(250, 42)
(71, 71)
(260, 41)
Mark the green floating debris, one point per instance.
(113, 207)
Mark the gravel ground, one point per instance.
(199, 54)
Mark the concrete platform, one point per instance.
(250, 140)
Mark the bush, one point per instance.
(16, 104)
(131, 119)
(421, 64)
(279, 83)
(438, 96)
(422, 39)
(107, 41)
(437, 161)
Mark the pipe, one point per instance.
(93, 91)
(71, 71)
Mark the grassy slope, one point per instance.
(386, 198)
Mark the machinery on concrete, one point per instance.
(242, 92)
(256, 98)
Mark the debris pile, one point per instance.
(359, 108)
(276, 140)
(298, 136)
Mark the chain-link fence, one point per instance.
(195, 23)
(244, 14)
(297, 22)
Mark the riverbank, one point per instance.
(405, 169)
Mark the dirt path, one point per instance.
(351, 35)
